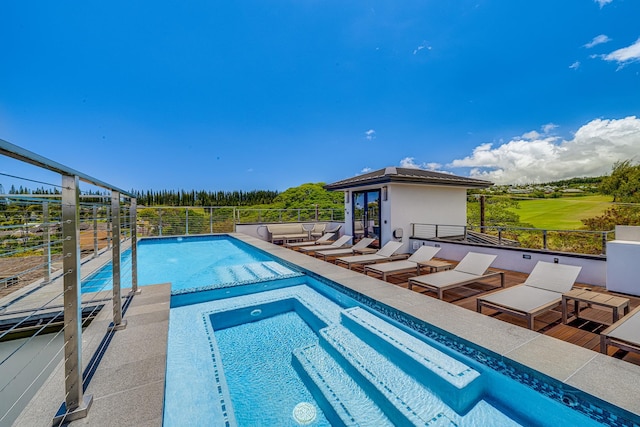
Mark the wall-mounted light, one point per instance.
(384, 193)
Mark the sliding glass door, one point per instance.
(366, 215)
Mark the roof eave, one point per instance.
(400, 179)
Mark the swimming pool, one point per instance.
(213, 336)
(354, 367)
(191, 264)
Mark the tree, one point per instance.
(497, 211)
(308, 195)
(616, 215)
(623, 183)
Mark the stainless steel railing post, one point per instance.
(133, 216)
(76, 405)
(118, 323)
(186, 220)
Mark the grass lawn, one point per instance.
(563, 213)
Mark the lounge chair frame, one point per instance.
(440, 289)
(370, 258)
(606, 339)
(346, 251)
(462, 274)
(409, 265)
(565, 281)
(529, 316)
(324, 239)
(341, 242)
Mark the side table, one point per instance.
(594, 298)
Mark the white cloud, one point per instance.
(603, 3)
(365, 170)
(408, 162)
(625, 55)
(531, 135)
(370, 134)
(424, 45)
(546, 129)
(597, 40)
(575, 65)
(594, 149)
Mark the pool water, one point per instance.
(251, 360)
(265, 389)
(192, 264)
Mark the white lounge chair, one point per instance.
(386, 253)
(409, 265)
(472, 268)
(541, 292)
(325, 238)
(340, 242)
(331, 253)
(624, 334)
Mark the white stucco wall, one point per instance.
(408, 204)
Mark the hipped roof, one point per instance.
(407, 176)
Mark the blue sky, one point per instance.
(268, 95)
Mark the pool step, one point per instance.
(457, 384)
(400, 396)
(340, 397)
(252, 272)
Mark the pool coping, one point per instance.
(128, 385)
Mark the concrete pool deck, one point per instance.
(128, 385)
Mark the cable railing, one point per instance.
(178, 221)
(45, 240)
(571, 241)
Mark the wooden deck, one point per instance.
(582, 332)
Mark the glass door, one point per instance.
(366, 215)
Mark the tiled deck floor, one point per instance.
(580, 332)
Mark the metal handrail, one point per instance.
(19, 153)
(76, 403)
(422, 231)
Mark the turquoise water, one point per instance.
(191, 263)
(264, 387)
(251, 360)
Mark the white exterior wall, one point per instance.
(623, 268)
(422, 204)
